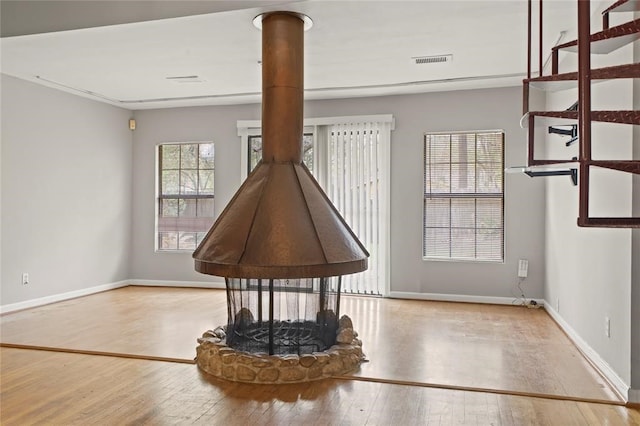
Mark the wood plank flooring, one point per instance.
(146, 321)
(472, 345)
(464, 346)
(40, 387)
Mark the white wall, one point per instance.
(589, 269)
(66, 192)
(414, 114)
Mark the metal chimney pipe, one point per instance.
(282, 87)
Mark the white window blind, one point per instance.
(464, 196)
(185, 195)
(356, 184)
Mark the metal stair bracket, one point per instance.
(572, 132)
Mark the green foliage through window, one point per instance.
(185, 194)
(255, 151)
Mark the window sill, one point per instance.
(460, 260)
(186, 251)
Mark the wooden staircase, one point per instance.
(602, 42)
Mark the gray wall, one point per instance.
(66, 192)
(589, 269)
(414, 114)
(635, 241)
(216, 124)
(635, 267)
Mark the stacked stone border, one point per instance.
(216, 358)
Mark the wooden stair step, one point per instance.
(568, 163)
(610, 222)
(623, 6)
(617, 71)
(622, 117)
(629, 166)
(607, 40)
(569, 79)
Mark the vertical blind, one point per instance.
(463, 196)
(349, 156)
(356, 184)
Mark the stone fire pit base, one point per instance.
(216, 358)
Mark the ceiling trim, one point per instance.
(318, 90)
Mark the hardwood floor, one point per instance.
(473, 346)
(41, 387)
(458, 345)
(144, 321)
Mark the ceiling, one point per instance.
(125, 53)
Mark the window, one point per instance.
(255, 151)
(185, 194)
(463, 196)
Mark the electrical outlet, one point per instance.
(607, 326)
(523, 268)
(25, 278)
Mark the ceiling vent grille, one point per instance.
(419, 60)
(186, 79)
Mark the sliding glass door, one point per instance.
(349, 156)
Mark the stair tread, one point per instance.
(542, 163)
(617, 71)
(610, 222)
(569, 79)
(629, 166)
(608, 40)
(622, 117)
(623, 6)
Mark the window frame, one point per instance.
(470, 196)
(159, 196)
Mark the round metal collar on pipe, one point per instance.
(308, 23)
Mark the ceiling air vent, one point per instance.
(419, 60)
(186, 79)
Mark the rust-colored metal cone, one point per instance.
(280, 224)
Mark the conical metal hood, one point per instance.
(280, 224)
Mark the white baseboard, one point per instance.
(32, 303)
(195, 284)
(605, 369)
(456, 298)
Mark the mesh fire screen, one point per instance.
(282, 316)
